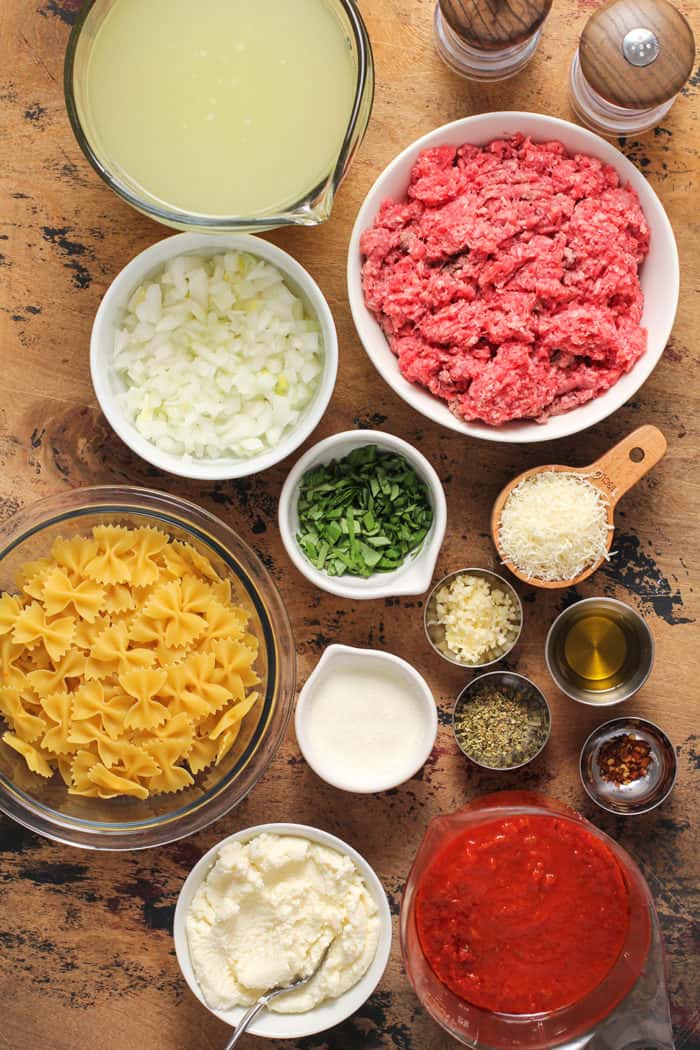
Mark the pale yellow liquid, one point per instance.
(597, 653)
(221, 107)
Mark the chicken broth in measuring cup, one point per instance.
(224, 107)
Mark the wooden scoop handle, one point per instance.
(628, 461)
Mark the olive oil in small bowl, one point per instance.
(599, 651)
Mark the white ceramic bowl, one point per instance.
(659, 273)
(327, 1014)
(108, 384)
(334, 656)
(415, 574)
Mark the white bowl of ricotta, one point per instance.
(261, 905)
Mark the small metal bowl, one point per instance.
(639, 796)
(633, 676)
(511, 680)
(435, 632)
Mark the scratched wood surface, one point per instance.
(86, 951)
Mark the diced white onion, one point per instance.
(218, 357)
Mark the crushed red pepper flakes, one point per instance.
(624, 759)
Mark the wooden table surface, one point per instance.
(87, 954)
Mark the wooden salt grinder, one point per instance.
(633, 58)
(488, 39)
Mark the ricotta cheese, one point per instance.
(264, 915)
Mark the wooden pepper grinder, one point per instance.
(488, 39)
(633, 58)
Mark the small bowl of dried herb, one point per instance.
(628, 766)
(501, 720)
(363, 515)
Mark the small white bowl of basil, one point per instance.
(362, 515)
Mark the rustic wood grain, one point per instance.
(87, 956)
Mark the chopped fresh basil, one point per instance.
(362, 514)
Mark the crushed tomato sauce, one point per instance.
(523, 915)
(507, 283)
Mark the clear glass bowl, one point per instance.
(476, 1027)
(45, 806)
(314, 208)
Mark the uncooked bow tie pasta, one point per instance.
(124, 662)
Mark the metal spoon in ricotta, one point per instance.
(253, 1011)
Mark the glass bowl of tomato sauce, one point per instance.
(523, 925)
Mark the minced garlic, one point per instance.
(480, 621)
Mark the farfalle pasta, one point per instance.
(125, 664)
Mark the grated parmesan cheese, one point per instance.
(480, 622)
(553, 526)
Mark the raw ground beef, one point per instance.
(507, 283)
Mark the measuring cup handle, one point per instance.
(628, 461)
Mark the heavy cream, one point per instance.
(264, 916)
(366, 724)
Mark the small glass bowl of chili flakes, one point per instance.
(628, 766)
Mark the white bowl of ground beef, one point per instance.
(520, 293)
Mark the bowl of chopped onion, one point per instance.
(213, 357)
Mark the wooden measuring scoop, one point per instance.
(613, 475)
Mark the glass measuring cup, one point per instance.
(314, 206)
(630, 1006)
